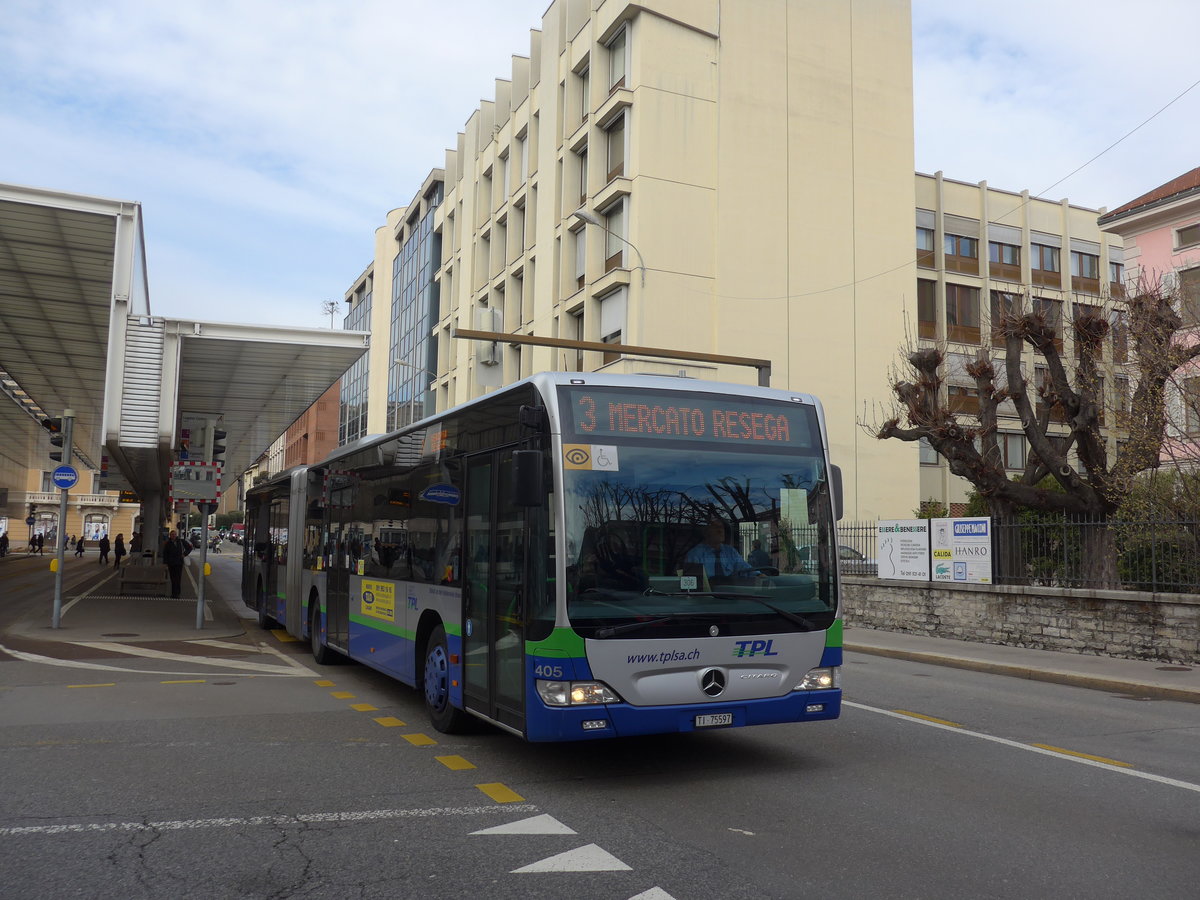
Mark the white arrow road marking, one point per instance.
(589, 858)
(132, 650)
(655, 893)
(543, 824)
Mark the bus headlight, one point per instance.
(575, 693)
(821, 679)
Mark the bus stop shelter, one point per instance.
(77, 332)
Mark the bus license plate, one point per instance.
(714, 719)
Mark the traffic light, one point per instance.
(218, 445)
(54, 426)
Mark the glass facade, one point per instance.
(413, 346)
(353, 419)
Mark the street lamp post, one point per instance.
(587, 216)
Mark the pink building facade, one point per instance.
(1161, 231)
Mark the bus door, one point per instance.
(340, 561)
(495, 567)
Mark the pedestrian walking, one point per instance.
(135, 543)
(105, 546)
(79, 546)
(118, 550)
(41, 545)
(3, 545)
(174, 549)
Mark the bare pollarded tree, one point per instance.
(1071, 392)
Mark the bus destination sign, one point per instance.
(688, 417)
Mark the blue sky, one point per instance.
(268, 139)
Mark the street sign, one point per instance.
(195, 481)
(65, 477)
(30, 520)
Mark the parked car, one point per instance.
(850, 561)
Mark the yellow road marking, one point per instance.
(389, 721)
(364, 707)
(455, 763)
(191, 681)
(1103, 759)
(419, 740)
(905, 712)
(323, 683)
(283, 636)
(341, 695)
(109, 684)
(500, 793)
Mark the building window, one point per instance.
(618, 63)
(1051, 310)
(963, 400)
(1082, 312)
(583, 175)
(612, 320)
(575, 321)
(1189, 296)
(962, 313)
(1003, 308)
(1004, 254)
(1121, 398)
(580, 256)
(1043, 258)
(1116, 273)
(1187, 236)
(522, 158)
(929, 456)
(1191, 404)
(926, 308)
(1118, 329)
(962, 254)
(585, 102)
(925, 248)
(614, 234)
(1012, 449)
(615, 137)
(1085, 265)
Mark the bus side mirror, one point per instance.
(527, 487)
(835, 482)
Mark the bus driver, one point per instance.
(718, 558)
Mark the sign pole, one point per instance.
(60, 550)
(203, 564)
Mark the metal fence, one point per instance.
(1146, 555)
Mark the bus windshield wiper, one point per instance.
(805, 624)
(613, 630)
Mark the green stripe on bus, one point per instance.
(452, 628)
(833, 637)
(386, 627)
(562, 642)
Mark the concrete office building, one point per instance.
(746, 170)
(977, 248)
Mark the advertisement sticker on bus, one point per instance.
(591, 457)
(446, 494)
(379, 600)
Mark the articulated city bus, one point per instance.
(577, 556)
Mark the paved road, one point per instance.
(238, 768)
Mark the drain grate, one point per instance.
(1174, 668)
(121, 634)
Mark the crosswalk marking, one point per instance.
(543, 824)
(588, 858)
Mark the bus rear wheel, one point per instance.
(322, 654)
(442, 713)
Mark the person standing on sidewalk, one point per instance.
(118, 550)
(105, 546)
(79, 547)
(173, 552)
(3, 545)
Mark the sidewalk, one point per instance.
(94, 611)
(1142, 678)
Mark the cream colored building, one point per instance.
(750, 165)
(977, 248)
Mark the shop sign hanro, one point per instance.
(962, 550)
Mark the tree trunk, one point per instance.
(1099, 555)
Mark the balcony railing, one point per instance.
(49, 498)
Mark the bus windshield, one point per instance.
(670, 537)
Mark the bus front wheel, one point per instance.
(442, 713)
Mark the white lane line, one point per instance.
(80, 664)
(372, 815)
(262, 648)
(1148, 776)
(132, 650)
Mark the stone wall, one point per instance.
(1125, 624)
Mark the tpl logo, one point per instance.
(753, 648)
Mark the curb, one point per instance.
(1073, 679)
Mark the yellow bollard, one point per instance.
(54, 565)
(207, 569)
